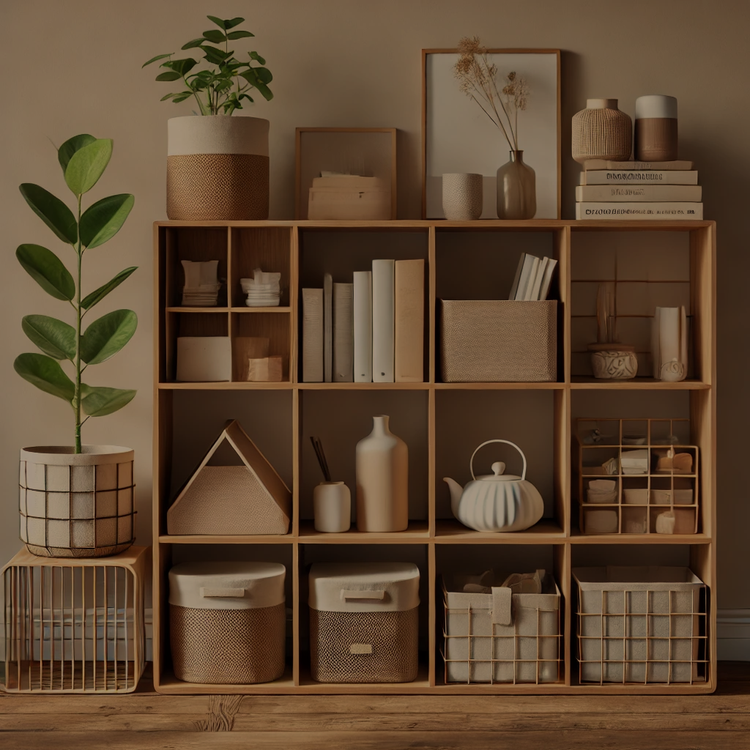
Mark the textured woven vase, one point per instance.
(516, 189)
(217, 168)
(462, 196)
(601, 131)
(76, 505)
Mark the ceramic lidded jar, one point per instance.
(656, 128)
(602, 131)
(496, 502)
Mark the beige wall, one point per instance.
(76, 67)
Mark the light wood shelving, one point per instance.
(653, 263)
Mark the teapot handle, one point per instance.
(497, 440)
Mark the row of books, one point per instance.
(639, 190)
(533, 278)
(367, 330)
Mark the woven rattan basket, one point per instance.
(364, 622)
(227, 622)
(498, 341)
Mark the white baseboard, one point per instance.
(732, 631)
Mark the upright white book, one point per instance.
(622, 193)
(312, 335)
(362, 326)
(536, 283)
(530, 264)
(547, 278)
(639, 177)
(409, 321)
(343, 332)
(636, 210)
(327, 328)
(383, 321)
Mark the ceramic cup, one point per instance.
(332, 507)
(462, 196)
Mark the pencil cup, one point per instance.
(332, 507)
(462, 196)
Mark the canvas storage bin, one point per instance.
(227, 621)
(486, 341)
(364, 622)
(641, 624)
(499, 636)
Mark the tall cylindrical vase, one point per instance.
(656, 128)
(601, 131)
(516, 189)
(382, 468)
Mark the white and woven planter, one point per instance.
(217, 168)
(77, 505)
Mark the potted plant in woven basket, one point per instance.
(76, 501)
(217, 165)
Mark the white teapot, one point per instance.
(496, 502)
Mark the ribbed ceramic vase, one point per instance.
(516, 189)
(382, 468)
(602, 131)
(217, 168)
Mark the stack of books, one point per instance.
(367, 330)
(533, 278)
(638, 190)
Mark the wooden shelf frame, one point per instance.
(433, 536)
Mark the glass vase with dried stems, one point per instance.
(477, 77)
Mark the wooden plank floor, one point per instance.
(145, 719)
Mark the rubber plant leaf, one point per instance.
(103, 220)
(107, 335)
(53, 337)
(47, 270)
(46, 374)
(99, 294)
(52, 211)
(98, 402)
(87, 165)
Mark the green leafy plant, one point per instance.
(83, 160)
(224, 85)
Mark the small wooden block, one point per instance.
(248, 347)
(266, 369)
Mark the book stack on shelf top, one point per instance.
(369, 329)
(639, 190)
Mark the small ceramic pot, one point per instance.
(613, 361)
(332, 507)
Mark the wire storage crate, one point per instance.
(75, 626)
(498, 636)
(641, 625)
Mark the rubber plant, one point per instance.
(225, 83)
(83, 159)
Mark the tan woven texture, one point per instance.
(212, 187)
(388, 640)
(233, 646)
(498, 341)
(227, 500)
(602, 134)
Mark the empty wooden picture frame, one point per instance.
(457, 136)
(370, 152)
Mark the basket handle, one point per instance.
(497, 440)
(361, 594)
(502, 598)
(228, 593)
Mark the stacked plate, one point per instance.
(201, 283)
(263, 290)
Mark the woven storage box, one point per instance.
(501, 636)
(227, 621)
(364, 622)
(498, 341)
(75, 626)
(641, 625)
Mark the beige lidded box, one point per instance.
(227, 621)
(641, 625)
(501, 636)
(364, 622)
(485, 341)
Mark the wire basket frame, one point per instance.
(644, 636)
(74, 627)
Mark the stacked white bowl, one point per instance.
(263, 290)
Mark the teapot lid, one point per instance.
(497, 474)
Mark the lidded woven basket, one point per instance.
(227, 621)
(364, 622)
(602, 131)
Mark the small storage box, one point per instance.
(501, 637)
(641, 625)
(364, 622)
(227, 621)
(493, 341)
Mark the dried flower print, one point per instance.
(477, 78)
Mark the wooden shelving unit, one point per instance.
(653, 263)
